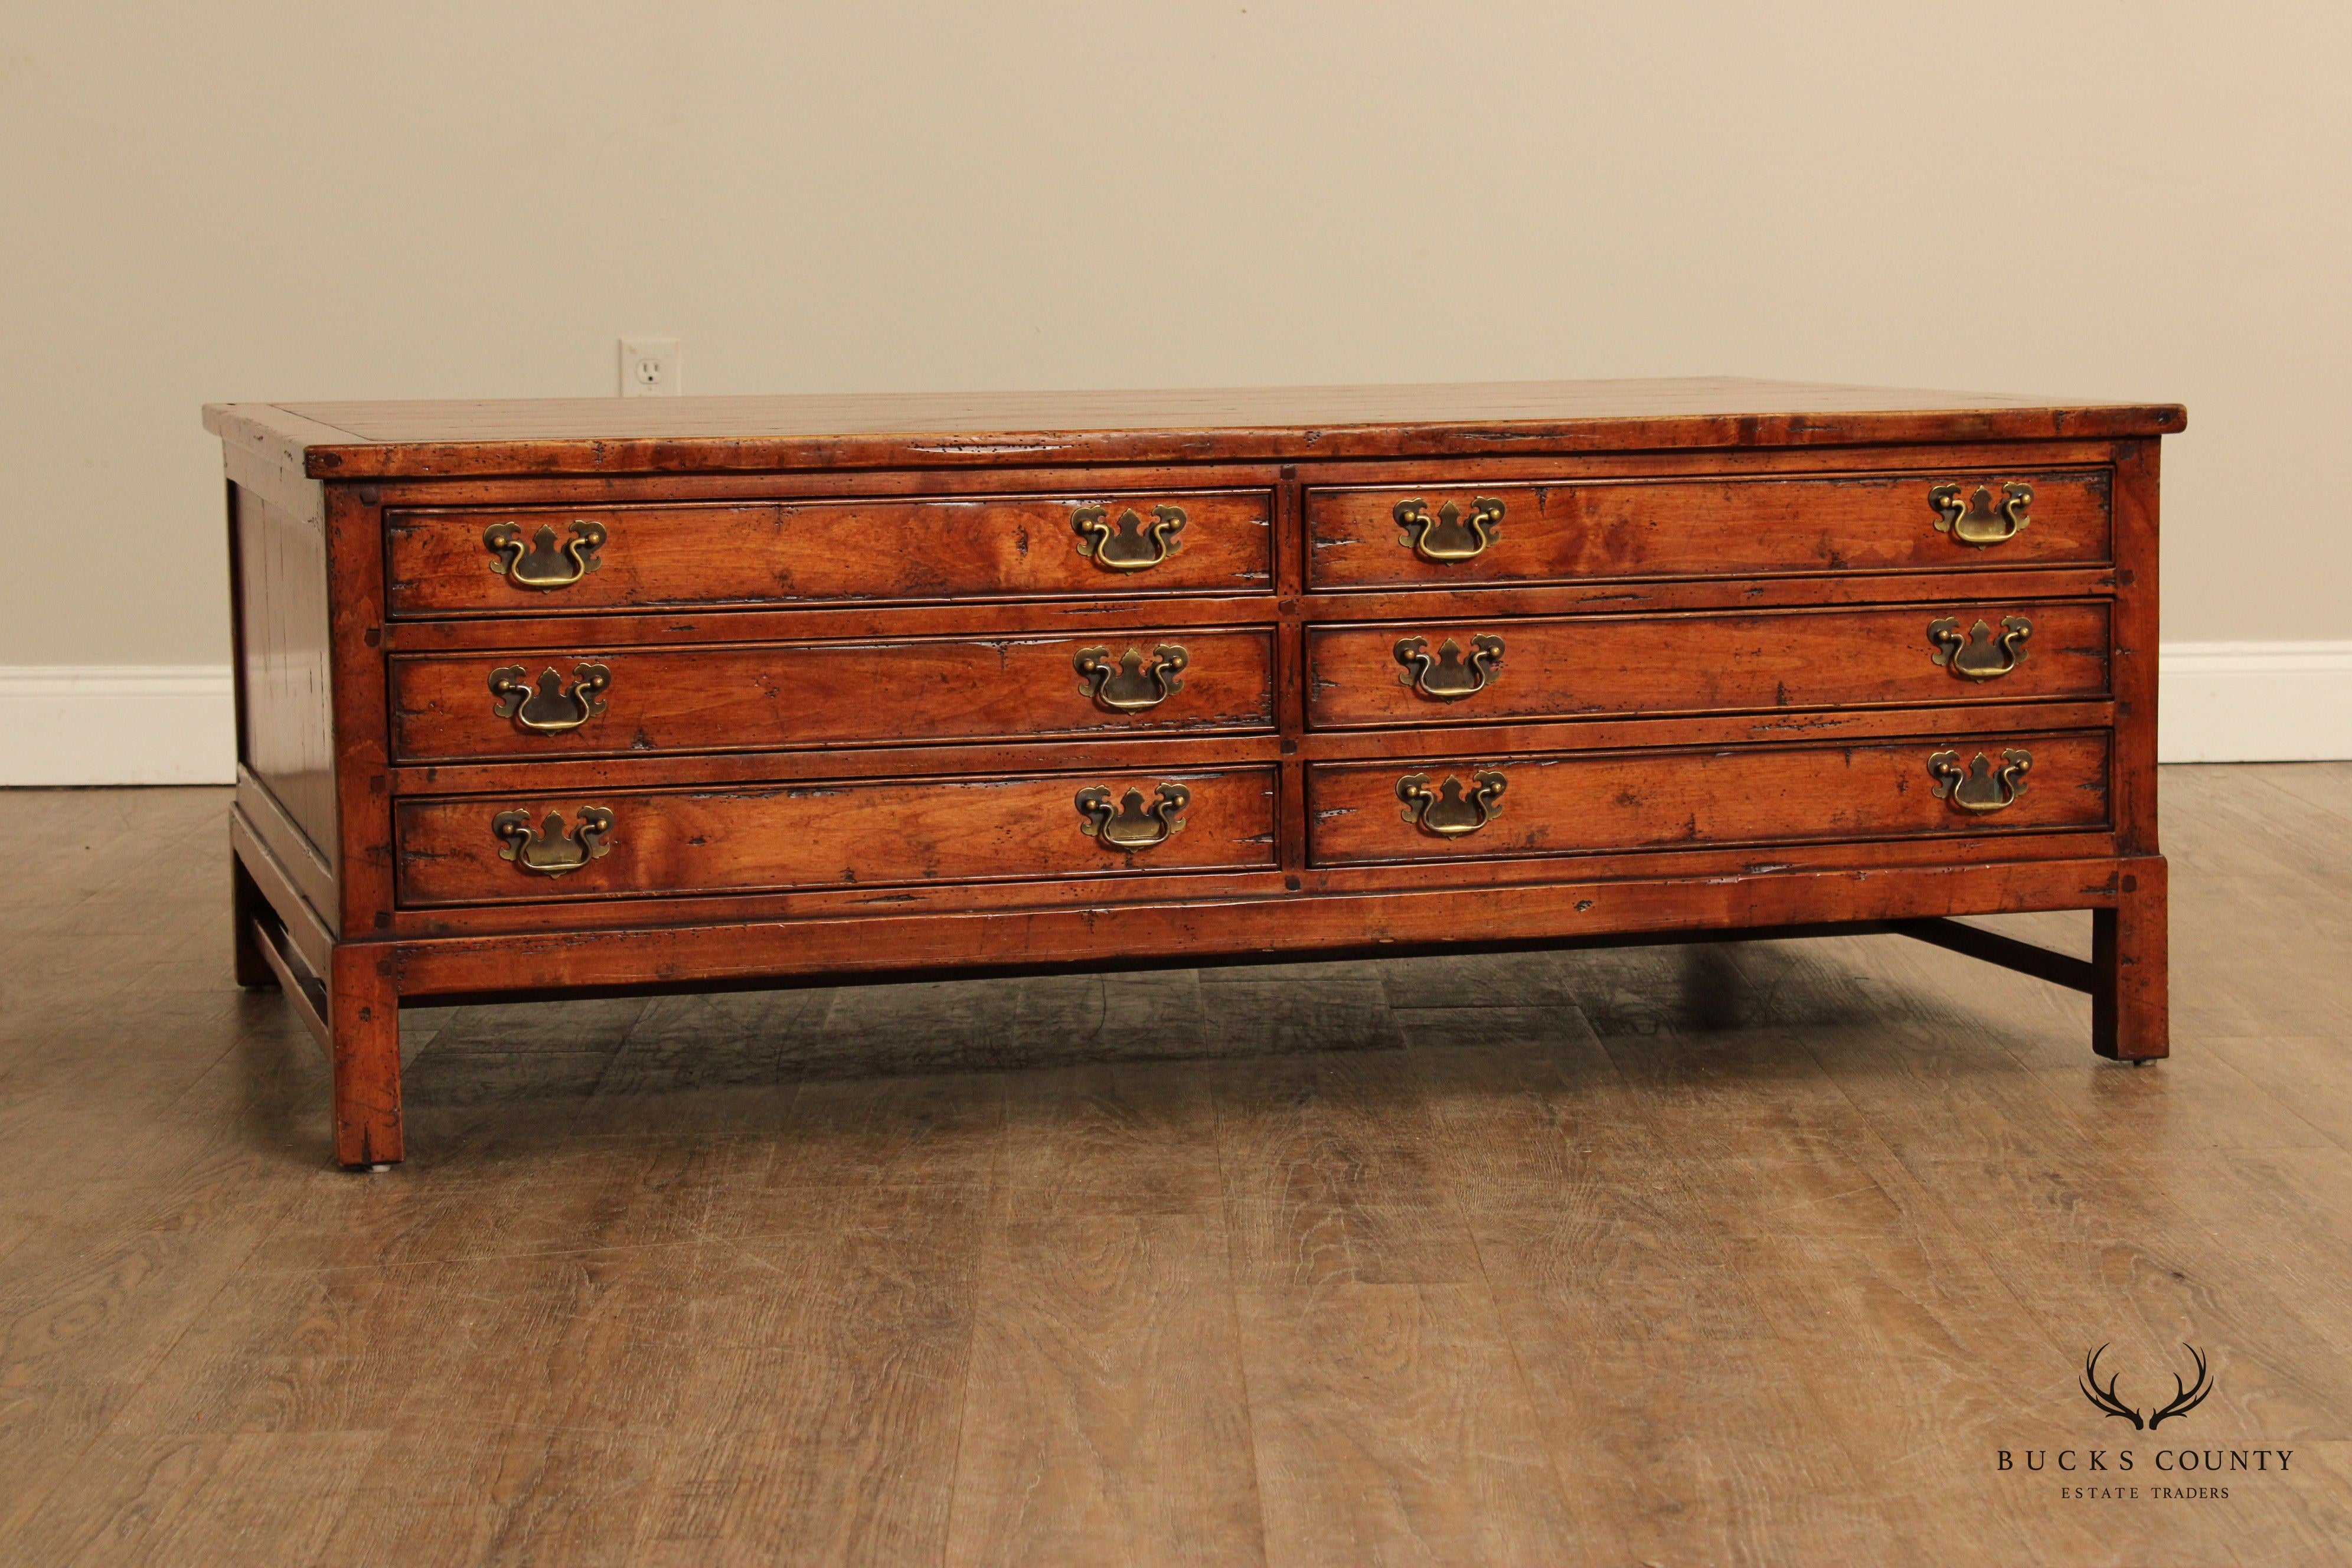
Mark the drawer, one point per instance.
(854, 833)
(550, 560)
(646, 701)
(1480, 808)
(1471, 671)
(1576, 531)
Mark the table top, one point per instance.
(690, 435)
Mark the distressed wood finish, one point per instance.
(840, 727)
(1571, 530)
(1760, 795)
(735, 698)
(1567, 913)
(837, 834)
(363, 1024)
(823, 552)
(285, 721)
(463, 437)
(1697, 664)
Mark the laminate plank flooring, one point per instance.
(1758, 1253)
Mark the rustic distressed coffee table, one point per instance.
(576, 698)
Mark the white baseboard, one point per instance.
(117, 724)
(174, 724)
(2254, 702)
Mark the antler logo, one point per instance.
(2185, 1398)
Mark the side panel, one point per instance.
(285, 688)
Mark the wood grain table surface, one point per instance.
(1754, 1253)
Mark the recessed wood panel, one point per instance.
(286, 698)
(888, 549)
(1650, 528)
(799, 695)
(1760, 795)
(1589, 665)
(849, 834)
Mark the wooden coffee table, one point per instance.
(585, 696)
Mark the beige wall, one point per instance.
(302, 201)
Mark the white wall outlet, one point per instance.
(650, 367)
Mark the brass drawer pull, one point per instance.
(552, 850)
(1980, 521)
(541, 567)
(1982, 654)
(1448, 677)
(1448, 537)
(1982, 787)
(1134, 825)
(1127, 685)
(1449, 811)
(1132, 544)
(552, 710)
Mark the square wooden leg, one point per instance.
(364, 1018)
(2130, 998)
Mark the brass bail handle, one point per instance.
(1133, 823)
(1130, 544)
(1452, 809)
(552, 707)
(1450, 675)
(1131, 683)
(1982, 786)
(1981, 653)
(1449, 536)
(553, 848)
(542, 564)
(1981, 520)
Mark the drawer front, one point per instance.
(646, 701)
(1468, 672)
(544, 561)
(869, 834)
(1572, 532)
(1476, 809)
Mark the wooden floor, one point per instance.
(1754, 1253)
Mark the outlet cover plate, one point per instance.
(650, 367)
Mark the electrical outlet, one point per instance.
(650, 367)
